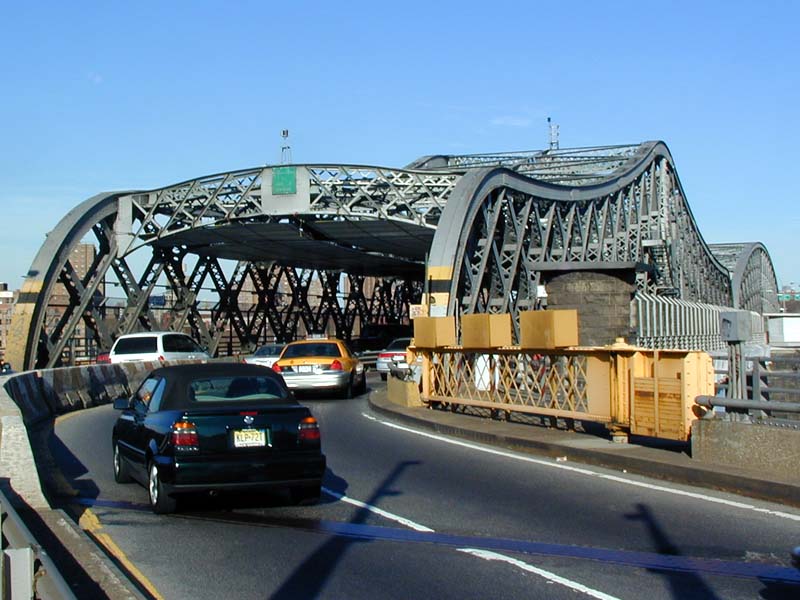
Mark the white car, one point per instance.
(266, 355)
(155, 346)
(393, 354)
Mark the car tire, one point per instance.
(362, 386)
(160, 502)
(384, 376)
(347, 390)
(121, 473)
(304, 495)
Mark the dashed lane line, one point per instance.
(485, 555)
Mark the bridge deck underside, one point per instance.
(363, 247)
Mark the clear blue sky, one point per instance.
(98, 96)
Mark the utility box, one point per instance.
(434, 332)
(734, 326)
(548, 329)
(486, 330)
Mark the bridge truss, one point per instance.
(234, 258)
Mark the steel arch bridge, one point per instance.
(335, 247)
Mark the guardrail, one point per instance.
(773, 379)
(630, 390)
(26, 571)
(742, 404)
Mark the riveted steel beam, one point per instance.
(345, 245)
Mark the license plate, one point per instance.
(249, 438)
(305, 369)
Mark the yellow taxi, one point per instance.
(321, 363)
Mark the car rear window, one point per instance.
(268, 351)
(180, 343)
(235, 389)
(320, 349)
(400, 344)
(136, 345)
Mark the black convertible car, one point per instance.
(216, 427)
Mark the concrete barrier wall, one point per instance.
(771, 450)
(43, 395)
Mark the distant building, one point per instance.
(6, 306)
(789, 298)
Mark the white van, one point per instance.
(156, 346)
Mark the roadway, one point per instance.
(410, 514)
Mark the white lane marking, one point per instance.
(479, 553)
(379, 511)
(578, 587)
(615, 478)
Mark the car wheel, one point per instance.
(121, 474)
(347, 390)
(384, 377)
(362, 386)
(305, 495)
(160, 502)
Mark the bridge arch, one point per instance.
(496, 227)
(506, 233)
(754, 285)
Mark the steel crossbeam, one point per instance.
(347, 248)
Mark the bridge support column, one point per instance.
(602, 299)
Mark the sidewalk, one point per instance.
(659, 463)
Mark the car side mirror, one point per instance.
(121, 403)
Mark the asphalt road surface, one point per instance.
(410, 514)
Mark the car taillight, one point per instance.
(184, 435)
(104, 358)
(385, 355)
(336, 366)
(276, 367)
(308, 430)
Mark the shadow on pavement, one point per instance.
(309, 579)
(70, 567)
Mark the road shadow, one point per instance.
(62, 479)
(310, 578)
(567, 425)
(681, 584)
(685, 584)
(230, 501)
(41, 528)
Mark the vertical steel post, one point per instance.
(20, 573)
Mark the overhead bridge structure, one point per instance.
(276, 251)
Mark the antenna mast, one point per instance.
(553, 134)
(286, 149)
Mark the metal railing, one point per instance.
(515, 380)
(771, 385)
(26, 570)
(738, 403)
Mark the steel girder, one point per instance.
(502, 229)
(128, 224)
(335, 193)
(493, 224)
(754, 285)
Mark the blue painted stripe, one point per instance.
(642, 560)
